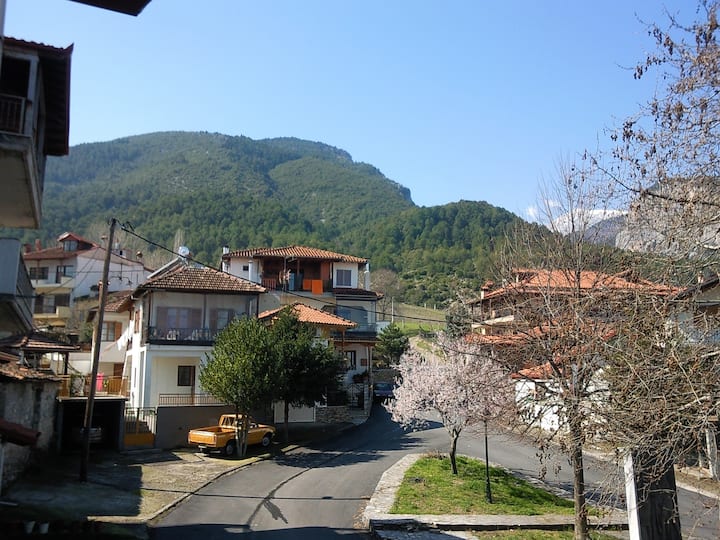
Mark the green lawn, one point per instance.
(429, 487)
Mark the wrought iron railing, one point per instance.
(139, 421)
(179, 400)
(181, 334)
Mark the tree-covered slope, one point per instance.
(225, 190)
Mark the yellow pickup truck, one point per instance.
(221, 438)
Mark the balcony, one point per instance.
(16, 292)
(363, 331)
(34, 123)
(181, 336)
(182, 400)
(79, 386)
(312, 286)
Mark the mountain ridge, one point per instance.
(206, 190)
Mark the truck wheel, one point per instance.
(229, 449)
(266, 440)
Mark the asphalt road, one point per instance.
(320, 492)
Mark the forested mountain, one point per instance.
(214, 190)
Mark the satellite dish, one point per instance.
(183, 251)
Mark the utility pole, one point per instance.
(97, 340)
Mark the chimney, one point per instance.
(224, 264)
(27, 248)
(38, 244)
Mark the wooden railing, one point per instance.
(12, 113)
(79, 386)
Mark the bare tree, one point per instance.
(600, 351)
(463, 387)
(386, 282)
(564, 302)
(666, 161)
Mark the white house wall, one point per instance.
(88, 273)
(164, 373)
(353, 267)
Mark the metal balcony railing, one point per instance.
(179, 400)
(157, 333)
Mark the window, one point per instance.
(186, 376)
(39, 272)
(343, 278)
(220, 318)
(179, 318)
(70, 245)
(246, 267)
(110, 331)
(351, 359)
(64, 271)
(46, 303)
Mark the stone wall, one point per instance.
(31, 404)
(332, 414)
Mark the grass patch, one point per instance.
(429, 487)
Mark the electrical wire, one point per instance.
(128, 228)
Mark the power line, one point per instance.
(128, 228)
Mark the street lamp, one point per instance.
(488, 493)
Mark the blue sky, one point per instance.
(456, 100)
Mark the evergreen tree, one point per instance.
(307, 369)
(241, 371)
(391, 345)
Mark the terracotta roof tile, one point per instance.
(558, 281)
(36, 342)
(201, 279)
(11, 370)
(295, 252)
(536, 373)
(312, 315)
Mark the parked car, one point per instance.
(382, 391)
(221, 438)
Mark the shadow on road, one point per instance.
(363, 443)
(220, 530)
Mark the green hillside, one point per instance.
(211, 190)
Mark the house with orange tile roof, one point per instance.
(531, 309)
(326, 326)
(70, 270)
(327, 281)
(176, 315)
(498, 311)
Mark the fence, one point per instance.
(181, 400)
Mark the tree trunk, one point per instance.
(245, 424)
(576, 459)
(287, 421)
(238, 433)
(453, 450)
